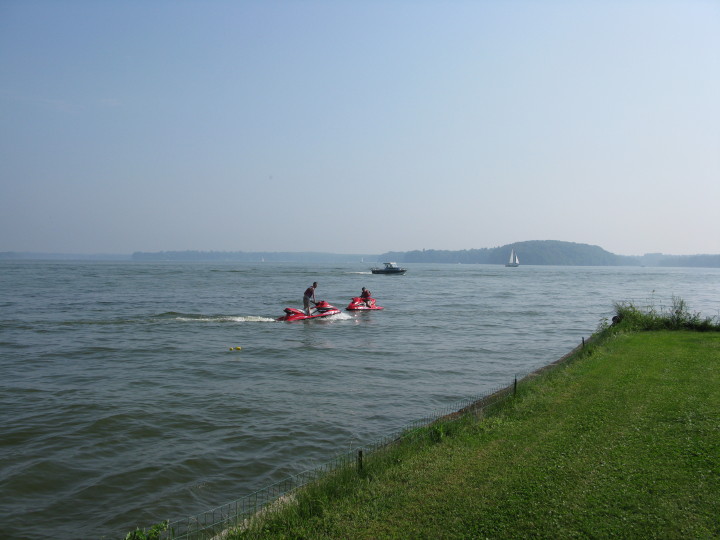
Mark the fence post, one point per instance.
(359, 460)
(515, 386)
(583, 342)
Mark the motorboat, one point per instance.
(390, 268)
(358, 303)
(322, 309)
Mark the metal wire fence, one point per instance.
(215, 522)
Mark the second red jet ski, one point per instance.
(361, 304)
(322, 309)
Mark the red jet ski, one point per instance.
(361, 304)
(322, 309)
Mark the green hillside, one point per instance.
(544, 252)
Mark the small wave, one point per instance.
(173, 315)
(98, 322)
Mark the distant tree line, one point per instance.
(249, 256)
(36, 256)
(696, 261)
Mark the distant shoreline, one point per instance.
(531, 253)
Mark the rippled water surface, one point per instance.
(121, 403)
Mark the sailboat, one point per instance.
(514, 261)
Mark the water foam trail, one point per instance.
(251, 318)
(240, 318)
(189, 317)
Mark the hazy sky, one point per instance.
(359, 126)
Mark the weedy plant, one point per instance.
(677, 317)
(153, 533)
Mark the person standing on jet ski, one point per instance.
(309, 296)
(366, 295)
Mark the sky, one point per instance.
(359, 126)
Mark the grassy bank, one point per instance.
(622, 440)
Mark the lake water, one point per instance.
(121, 403)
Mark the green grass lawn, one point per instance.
(621, 442)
